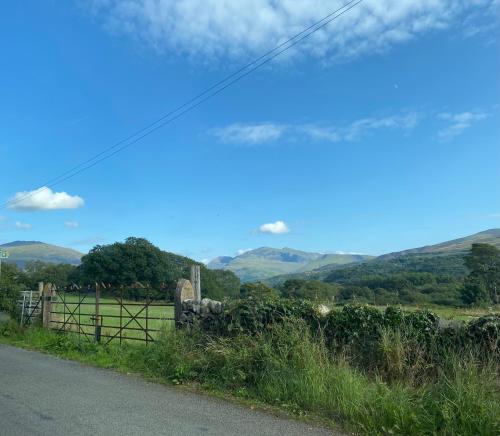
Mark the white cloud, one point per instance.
(44, 199)
(242, 251)
(254, 134)
(275, 228)
(205, 261)
(71, 224)
(249, 133)
(216, 29)
(23, 226)
(457, 123)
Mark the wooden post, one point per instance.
(46, 304)
(97, 316)
(196, 281)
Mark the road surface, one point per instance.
(43, 395)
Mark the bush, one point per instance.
(255, 315)
(485, 332)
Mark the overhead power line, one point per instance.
(190, 104)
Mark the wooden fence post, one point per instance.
(46, 303)
(196, 282)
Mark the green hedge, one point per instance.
(360, 330)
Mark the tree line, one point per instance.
(136, 268)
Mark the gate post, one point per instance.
(46, 297)
(184, 291)
(196, 282)
(97, 316)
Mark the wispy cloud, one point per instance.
(217, 29)
(458, 123)
(71, 224)
(249, 133)
(44, 199)
(242, 251)
(265, 133)
(276, 228)
(23, 226)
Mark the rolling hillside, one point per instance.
(445, 259)
(266, 262)
(21, 252)
(491, 236)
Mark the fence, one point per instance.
(101, 312)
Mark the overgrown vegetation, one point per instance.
(375, 373)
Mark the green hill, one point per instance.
(443, 259)
(265, 262)
(21, 252)
(491, 236)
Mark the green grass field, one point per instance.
(110, 310)
(448, 313)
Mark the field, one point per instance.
(139, 322)
(446, 313)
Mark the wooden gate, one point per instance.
(102, 313)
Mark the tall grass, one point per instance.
(289, 367)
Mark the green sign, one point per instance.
(4, 254)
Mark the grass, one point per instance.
(446, 312)
(110, 311)
(289, 368)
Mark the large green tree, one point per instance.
(123, 264)
(483, 282)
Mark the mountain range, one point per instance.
(22, 252)
(266, 262)
(276, 265)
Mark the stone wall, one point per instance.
(204, 312)
(189, 310)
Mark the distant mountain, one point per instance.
(491, 236)
(266, 262)
(21, 252)
(220, 262)
(445, 259)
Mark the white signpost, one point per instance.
(3, 255)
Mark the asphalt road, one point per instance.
(43, 395)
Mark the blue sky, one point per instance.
(379, 133)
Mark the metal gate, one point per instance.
(31, 307)
(102, 313)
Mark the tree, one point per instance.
(61, 275)
(483, 281)
(123, 264)
(309, 290)
(12, 282)
(474, 291)
(257, 290)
